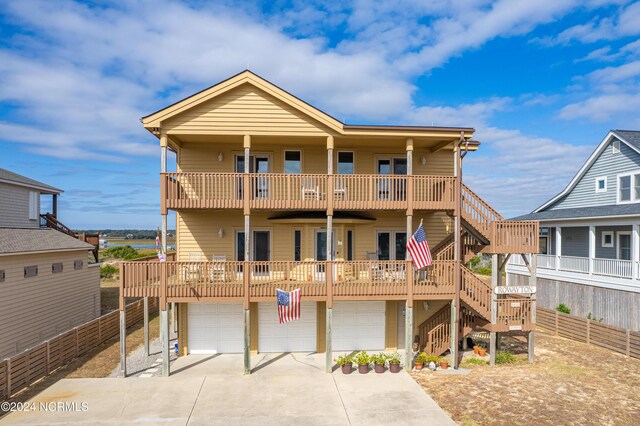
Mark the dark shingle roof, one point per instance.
(10, 177)
(24, 240)
(631, 136)
(597, 211)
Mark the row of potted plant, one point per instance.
(432, 361)
(364, 362)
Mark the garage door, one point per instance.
(295, 336)
(358, 326)
(215, 328)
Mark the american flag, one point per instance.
(418, 248)
(288, 305)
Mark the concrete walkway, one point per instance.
(283, 389)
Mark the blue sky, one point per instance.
(541, 81)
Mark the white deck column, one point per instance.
(328, 360)
(635, 251)
(592, 247)
(558, 246)
(123, 343)
(408, 337)
(146, 325)
(164, 338)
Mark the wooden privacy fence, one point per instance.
(591, 332)
(20, 371)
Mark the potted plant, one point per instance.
(432, 362)
(345, 362)
(363, 359)
(444, 362)
(421, 358)
(379, 360)
(482, 349)
(394, 362)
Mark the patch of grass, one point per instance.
(472, 362)
(504, 357)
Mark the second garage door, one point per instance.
(358, 326)
(295, 336)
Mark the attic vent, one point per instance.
(77, 264)
(615, 147)
(30, 271)
(2, 275)
(56, 268)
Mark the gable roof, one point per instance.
(27, 240)
(629, 137)
(154, 120)
(7, 176)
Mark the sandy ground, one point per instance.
(570, 383)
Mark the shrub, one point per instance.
(122, 252)
(504, 357)
(594, 318)
(483, 271)
(474, 262)
(108, 271)
(563, 308)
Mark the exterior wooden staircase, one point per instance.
(479, 222)
(50, 221)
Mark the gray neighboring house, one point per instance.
(590, 237)
(47, 285)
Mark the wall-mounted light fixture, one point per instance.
(220, 233)
(220, 157)
(425, 306)
(423, 160)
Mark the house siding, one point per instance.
(14, 207)
(38, 308)
(607, 164)
(575, 241)
(609, 252)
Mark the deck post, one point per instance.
(146, 325)
(164, 338)
(329, 339)
(496, 274)
(453, 349)
(123, 343)
(455, 306)
(247, 341)
(533, 279)
(54, 206)
(408, 336)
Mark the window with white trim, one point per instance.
(629, 187)
(607, 239)
(615, 147)
(33, 205)
(601, 184)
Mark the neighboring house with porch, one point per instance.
(589, 237)
(270, 192)
(46, 283)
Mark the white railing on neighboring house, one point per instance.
(613, 268)
(547, 261)
(583, 265)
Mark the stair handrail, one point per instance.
(52, 222)
(475, 209)
(476, 293)
(443, 315)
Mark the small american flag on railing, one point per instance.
(288, 305)
(418, 248)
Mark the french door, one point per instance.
(391, 245)
(257, 164)
(320, 250)
(392, 189)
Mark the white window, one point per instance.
(615, 147)
(607, 239)
(601, 184)
(33, 205)
(629, 187)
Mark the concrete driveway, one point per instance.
(283, 389)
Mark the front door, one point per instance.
(391, 245)
(624, 246)
(257, 164)
(320, 254)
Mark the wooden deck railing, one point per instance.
(515, 236)
(229, 280)
(477, 212)
(514, 314)
(306, 191)
(476, 293)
